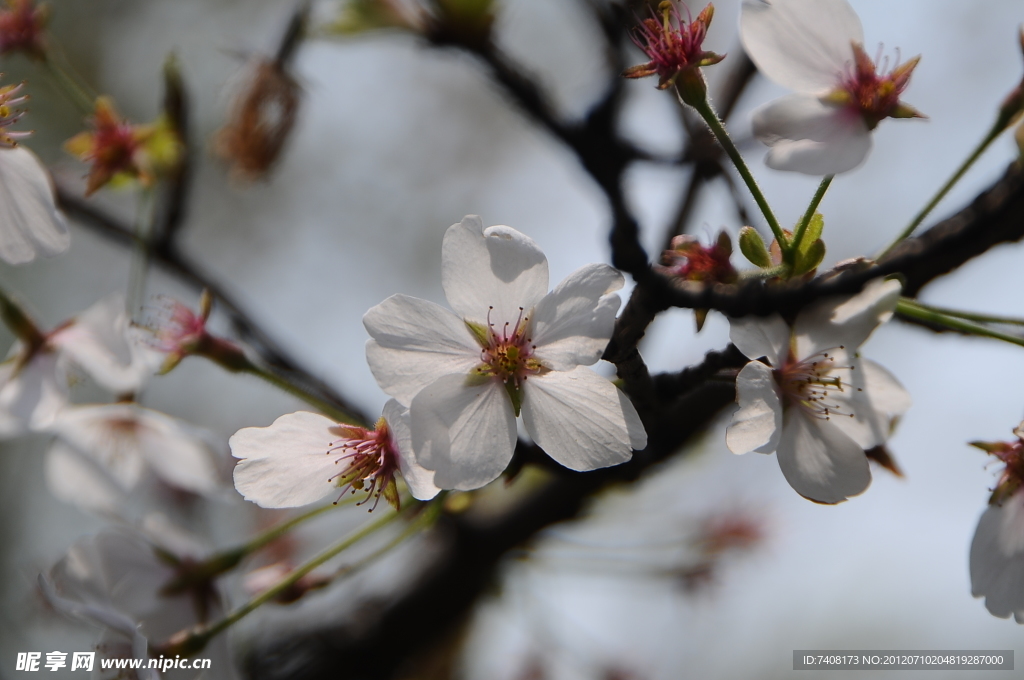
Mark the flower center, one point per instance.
(811, 384)
(875, 96)
(368, 460)
(506, 355)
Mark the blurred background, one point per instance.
(394, 142)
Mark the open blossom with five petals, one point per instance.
(30, 224)
(815, 47)
(509, 347)
(303, 457)
(675, 47)
(816, 402)
(997, 551)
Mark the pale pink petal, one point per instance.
(76, 480)
(572, 324)
(581, 419)
(30, 224)
(810, 137)
(419, 479)
(465, 433)
(176, 452)
(101, 342)
(761, 336)
(804, 45)
(414, 342)
(997, 558)
(876, 400)
(757, 424)
(34, 394)
(286, 464)
(819, 461)
(106, 434)
(847, 321)
(495, 267)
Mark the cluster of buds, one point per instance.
(22, 28)
(675, 49)
(120, 151)
(1012, 455)
(9, 115)
(689, 260)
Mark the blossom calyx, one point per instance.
(179, 332)
(871, 94)
(120, 151)
(1012, 455)
(675, 49)
(23, 27)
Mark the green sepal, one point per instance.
(516, 395)
(480, 332)
(753, 248)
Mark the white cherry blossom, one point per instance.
(123, 441)
(816, 402)
(509, 347)
(303, 457)
(997, 551)
(815, 47)
(34, 378)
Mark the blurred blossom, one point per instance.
(123, 441)
(997, 551)
(135, 586)
(717, 537)
(264, 578)
(674, 47)
(261, 120)
(688, 260)
(303, 457)
(119, 151)
(30, 224)
(816, 47)
(817, 403)
(175, 331)
(23, 28)
(34, 379)
(510, 346)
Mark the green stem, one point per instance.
(718, 129)
(140, 253)
(913, 310)
(198, 638)
(72, 89)
(322, 405)
(808, 215)
(972, 316)
(950, 183)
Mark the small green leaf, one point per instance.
(753, 248)
(811, 234)
(809, 259)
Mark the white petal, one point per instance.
(176, 452)
(419, 479)
(35, 393)
(997, 558)
(495, 267)
(819, 461)
(415, 342)
(804, 45)
(845, 321)
(876, 400)
(571, 325)
(286, 464)
(810, 137)
(465, 433)
(30, 223)
(78, 481)
(103, 434)
(761, 336)
(581, 419)
(102, 343)
(757, 424)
